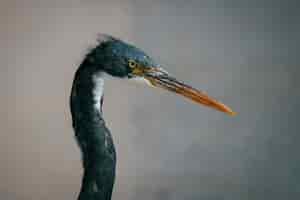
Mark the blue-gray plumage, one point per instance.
(116, 58)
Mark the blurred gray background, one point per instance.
(243, 52)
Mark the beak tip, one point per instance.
(231, 113)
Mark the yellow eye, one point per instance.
(132, 64)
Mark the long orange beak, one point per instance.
(160, 78)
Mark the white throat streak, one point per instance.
(98, 90)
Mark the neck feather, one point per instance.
(98, 89)
(93, 137)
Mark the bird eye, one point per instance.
(132, 64)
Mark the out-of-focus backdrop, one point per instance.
(243, 52)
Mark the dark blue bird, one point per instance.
(119, 59)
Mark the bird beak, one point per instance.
(160, 78)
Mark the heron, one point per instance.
(117, 58)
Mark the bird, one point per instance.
(116, 58)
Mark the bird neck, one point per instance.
(87, 92)
(93, 137)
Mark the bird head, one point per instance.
(120, 59)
